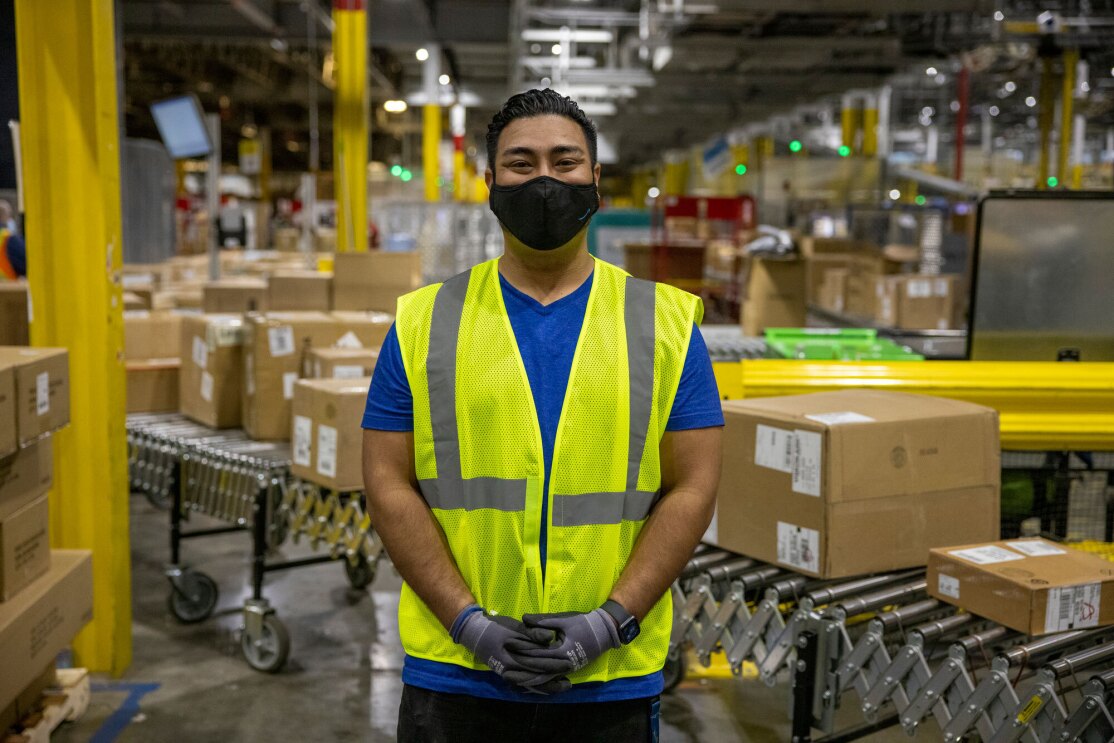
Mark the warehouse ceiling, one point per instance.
(654, 74)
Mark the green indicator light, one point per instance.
(921, 200)
(795, 145)
(740, 169)
(844, 150)
(1053, 182)
(406, 176)
(396, 170)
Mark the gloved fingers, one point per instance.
(543, 664)
(527, 649)
(509, 623)
(548, 621)
(540, 635)
(553, 686)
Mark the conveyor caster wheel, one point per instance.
(193, 596)
(362, 573)
(675, 668)
(268, 651)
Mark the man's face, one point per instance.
(542, 145)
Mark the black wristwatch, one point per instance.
(628, 625)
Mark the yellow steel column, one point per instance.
(431, 145)
(870, 125)
(351, 120)
(71, 177)
(1067, 96)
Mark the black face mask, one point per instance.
(544, 213)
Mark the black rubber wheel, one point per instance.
(675, 668)
(194, 598)
(269, 651)
(361, 574)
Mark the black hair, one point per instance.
(538, 102)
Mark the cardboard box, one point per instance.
(342, 363)
(300, 290)
(152, 335)
(1030, 585)
(327, 438)
(368, 329)
(143, 275)
(235, 295)
(25, 475)
(24, 547)
(775, 295)
(153, 385)
(275, 347)
(211, 373)
(43, 619)
(374, 280)
(833, 291)
(286, 239)
(15, 300)
(324, 240)
(41, 378)
(28, 700)
(837, 484)
(813, 246)
(927, 302)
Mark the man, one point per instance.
(541, 453)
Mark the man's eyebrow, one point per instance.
(561, 149)
(517, 151)
(568, 149)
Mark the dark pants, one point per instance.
(434, 717)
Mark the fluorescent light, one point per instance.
(931, 71)
(422, 54)
(593, 108)
(394, 106)
(1010, 86)
(582, 36)
(580, 63)
(1030, 101)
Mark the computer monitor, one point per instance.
(182, 126)
(1043, 275)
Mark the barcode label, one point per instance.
(798, 547)
(806, 462)
(773, 448)
(941, 287)
(42, 393)
(1035, 547)
(948, 586)
(303, 438)
(281, 340)
(1073, 607)
(288, 380)
(327, 451)
(987, 555)
(918, 288)
(200, 352)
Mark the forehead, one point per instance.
(542, 133)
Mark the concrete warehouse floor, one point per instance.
(342, 682)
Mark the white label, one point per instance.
(949, 586)
(918, 288)
(225, 335)
(206, 386)
(348, 371)
(836, 419)
(42, 393)
(327, 451)
(349, 340)
(1072, 607)
(798, 547)
(200, 352)
(249, 375)
(288, 380)
(773, 448)
(987, 555)
(1035, 547)
(806, 462)
(281, 340)
(940, 287)
(711, 534)
(136, 279)
(303, 438)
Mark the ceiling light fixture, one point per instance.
(1030, 101)
(999, 16)
(444, 79)
(931, 71)
(556, 49)
(994, 111)
(394, 106)
(422, 54)
(1010, 86)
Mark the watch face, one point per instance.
(629, 630)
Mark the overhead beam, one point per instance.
(866, 7)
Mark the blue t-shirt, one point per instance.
(547, 337)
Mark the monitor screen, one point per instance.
(182, 127)
(1042, 278)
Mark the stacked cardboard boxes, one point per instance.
(838, 484)
(326, 434)
(915, 302)
(341, 363)
(235, 295)
(300, 290)
(15, 303)
(212, 369)
(374, 280)
(152, 359)
(775, 295)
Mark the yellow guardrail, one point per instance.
(1042, 405)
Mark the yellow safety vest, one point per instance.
(478, 452)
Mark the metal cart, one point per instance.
(190, 469)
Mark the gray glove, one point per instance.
(581, 638)
(488, 636)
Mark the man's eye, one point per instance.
(520, 164)
(567, 163)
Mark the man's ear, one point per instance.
(489, 177)
(596, 170)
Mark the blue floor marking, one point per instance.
(122, 717)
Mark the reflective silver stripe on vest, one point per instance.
(478, 492)
(639, 313)
(602, 508)
(444, 332)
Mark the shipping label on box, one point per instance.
(42, 389)
(209, 382)
(327, 437)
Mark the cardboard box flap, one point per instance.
(1034, 562)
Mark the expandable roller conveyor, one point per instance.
(905, 656)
